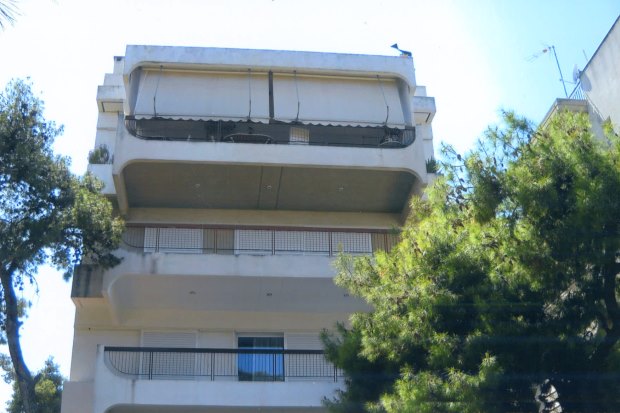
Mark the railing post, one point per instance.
(212, 366)
(151, 365)
(329, 243)
(157, 240)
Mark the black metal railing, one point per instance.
(273, 133)
(150, 363)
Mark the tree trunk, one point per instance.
(24, 379)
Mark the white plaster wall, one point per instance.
(106, 137)
(216, 339)
(283, 60)
(78, 397)
(78, 392)
(85, 343)
(295, 266)
(600, 79)
(107, 121)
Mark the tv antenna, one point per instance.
(552, 48)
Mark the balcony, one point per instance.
(128, 379)
(273, 133)
(252, 241)
(265, 130)
(189, 274)
(246, 175)
(220, 364)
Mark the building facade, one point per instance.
(240, 174)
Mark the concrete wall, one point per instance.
(600, 79)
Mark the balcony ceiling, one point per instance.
(178, 185)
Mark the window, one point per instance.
(261, 358)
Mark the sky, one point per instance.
(475, 57)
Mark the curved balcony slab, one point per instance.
(212, 283)
(130, 149)
(114, 393)
(221, 175)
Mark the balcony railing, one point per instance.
(242, 241)
(149, 363)
(275, 133)
(577, 93)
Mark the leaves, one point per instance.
(48, 390)
(46, 215)
(502, 278)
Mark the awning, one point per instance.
(244, 95)
(338, 101)
(199, 95)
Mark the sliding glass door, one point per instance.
(261, 358)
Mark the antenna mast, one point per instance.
(559, 69)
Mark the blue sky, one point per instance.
(473, 56)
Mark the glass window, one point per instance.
(261, 358)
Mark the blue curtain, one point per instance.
(265, 362)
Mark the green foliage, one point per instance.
(432, 166)
(45, 211)
(366, 380)
(100, 155)
(46, 214)
(48, 390)
(506, 276)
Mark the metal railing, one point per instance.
(150, 363)
(268, 241)
(577, 93)
(276, 134)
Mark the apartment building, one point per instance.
(241, 174)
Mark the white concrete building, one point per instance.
(598, 85)
(240, 174)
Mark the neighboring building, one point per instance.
(240, 174)
(598, 85)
